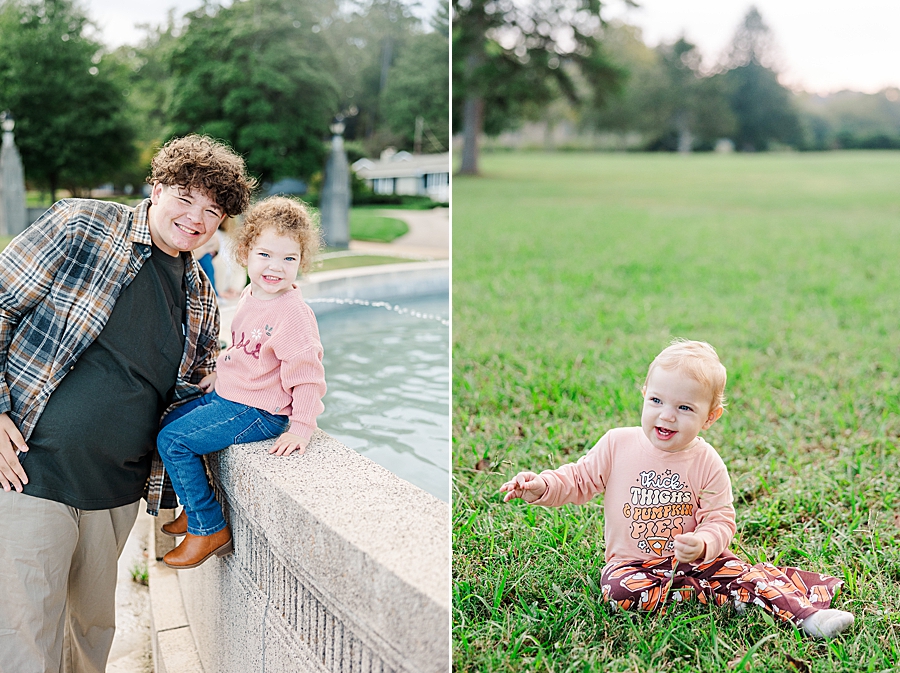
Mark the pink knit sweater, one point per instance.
(650, 495)
(274, 361)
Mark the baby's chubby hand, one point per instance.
(526, 485)
(689, 547)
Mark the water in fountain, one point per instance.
(387, 365)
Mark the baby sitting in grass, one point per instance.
(668, 511)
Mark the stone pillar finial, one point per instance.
(12, 181)
(334, 203)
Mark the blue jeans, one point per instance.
(205, 425)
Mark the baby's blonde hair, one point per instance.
(698, 360)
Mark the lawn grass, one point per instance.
(570, 273)
(368, 224)
(353, 261)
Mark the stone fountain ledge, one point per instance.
(377, 283)
(339, 565)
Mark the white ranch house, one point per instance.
(405, 173)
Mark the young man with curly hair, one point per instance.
(105, 323)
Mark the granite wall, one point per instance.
(338, 566)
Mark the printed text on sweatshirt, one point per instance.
(650, 495)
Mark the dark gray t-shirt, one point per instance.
(93, 444)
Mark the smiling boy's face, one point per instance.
(182, 219)
(676, 409)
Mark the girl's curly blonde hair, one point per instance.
(199, 162)
(288, 217)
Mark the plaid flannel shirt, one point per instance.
(59, 281)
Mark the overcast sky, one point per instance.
(825, 45)
(118, 19)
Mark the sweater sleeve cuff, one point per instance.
(302, 430)
(546, 500)
(714, 546)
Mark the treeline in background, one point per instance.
(554, 75)
(266, 76)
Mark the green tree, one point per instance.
(417, 89)
(764, 109)
(72, 125)
(509, 54)
(259, 75)
(667, 97)
(149, 85)
(694, 106)
(147, 90)
(367, 38)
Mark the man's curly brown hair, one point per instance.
(288, 217)
(199, 162)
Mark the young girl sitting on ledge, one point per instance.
(270, 379)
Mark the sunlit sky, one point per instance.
(824, 45)
(118, 19)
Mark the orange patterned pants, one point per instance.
(789, 594)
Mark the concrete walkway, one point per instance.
(130, 651)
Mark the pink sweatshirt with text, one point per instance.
(274, 361)
(650, 495)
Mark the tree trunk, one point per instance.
(473, 118)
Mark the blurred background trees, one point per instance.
(266, 76)
(763, 108)
(73, 128)
(510, 56)
(256, 75)
(521, 74)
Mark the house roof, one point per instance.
(402, 165)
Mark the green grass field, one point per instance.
(570, 273)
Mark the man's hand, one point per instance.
(287, 444)
(12, 474)
(526, 485)
(208, 383)
(689, 547)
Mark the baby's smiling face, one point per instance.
(676, 409)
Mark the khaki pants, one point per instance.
(58, 584)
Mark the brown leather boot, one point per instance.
(176, 527)
(195, 549)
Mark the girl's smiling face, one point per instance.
(676, 409)
(272, 264)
